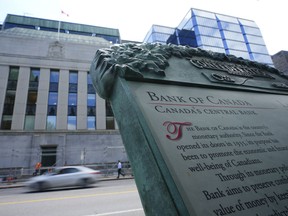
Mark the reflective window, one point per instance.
(73, 87)
(186, 22)
(227, 18)
(262, 58)
(233, 36)
(89, 79)
(230, 27)
(252, 31)
(52, 110)
(216, 42)
(110, 124)
(29, 122)
(237, 53)
(34, 75)
(12, 85)
(148, 37)
(51, 123)
(73, 77)
(72, 123)
(159, 37)
(72, 110)
(8, 109)
(258, 48)
(91, 100)
(236, 45)
(247, 23)
(54, 76)
(54, 80)
(53, 98)
(53, 87)
(163, 29)
(203, 13)
(91, 111)
(255, 39)
(90, 87)
(91, 122)
(13, 73)
(9, 103)
(72, 99)
(109, 111)
(213, 49)
(212, 32)
(31, 103)
(206, 22)
(10, 98)
(189, 25)
(6, 122)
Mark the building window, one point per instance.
(72, 104)
(10, 98)
(73, 81)
(6, 122)
(32, 99)
(51, 123)
(91, 111)
(91, 104)
(29, 122)
(31, 103)
(9, 102)
(72, 122)
(110, 125)
(72, 100)
(54, 81)
(52, 100)
(91, 122)
(90, 87)
(34, 79)
(52, 103)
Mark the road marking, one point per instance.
(117, 212)
(64, 198)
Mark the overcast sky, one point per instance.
(134, 18)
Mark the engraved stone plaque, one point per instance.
(205, 132)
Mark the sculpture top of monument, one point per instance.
(149, 61)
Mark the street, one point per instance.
(114, 197)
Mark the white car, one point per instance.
(68, 176)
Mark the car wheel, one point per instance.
(84, 182)
(42, 186)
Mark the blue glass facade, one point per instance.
(215, 32)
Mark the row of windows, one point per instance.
(52, 101)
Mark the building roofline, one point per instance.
(18, 19)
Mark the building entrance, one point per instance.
(48, 156)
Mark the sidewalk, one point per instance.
(21, 183)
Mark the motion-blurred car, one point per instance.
(68, 176)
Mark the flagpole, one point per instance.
(59, 24)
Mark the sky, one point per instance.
(134, 18)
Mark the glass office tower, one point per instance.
(215, 32)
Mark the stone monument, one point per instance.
(206, 133)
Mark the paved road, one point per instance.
(116, 197)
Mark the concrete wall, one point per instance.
(23, 150)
